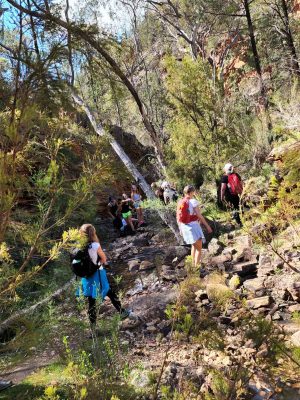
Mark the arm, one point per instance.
(102, 255)
(202, 219)
(223, 189)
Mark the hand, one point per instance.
(209, 230)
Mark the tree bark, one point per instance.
(290, 39)
(255, 54)
(167, 217)
(14, 318)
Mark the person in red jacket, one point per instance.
(231, 190)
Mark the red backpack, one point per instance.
(235, 185)
(183, 212)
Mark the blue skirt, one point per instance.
(192, 232)
(95, 286)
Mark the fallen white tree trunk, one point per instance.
(15, 317)
(165, 215)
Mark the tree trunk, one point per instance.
(255, 54)
(15, 317)
(76, 31)
(290, 39)
(165, 215)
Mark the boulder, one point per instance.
(137, 288)
(289, 327)
(294, 308)
(230, 250)
(153, 305)
(146, 265)
(295, 339)
(245, 268)
(168, 273)
(134, 265)
(175, 254)
(149, 279)
(259, 302)
(181, 274)
(152, 329)
(164, 236)
(254, 285)
(165, 326)
(265, 266)
(295, 291)
(200, 295)
(140, 242)
(245, 255)
(285, 286)
(221, 260)
(215, 247)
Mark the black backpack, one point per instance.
(81, 263)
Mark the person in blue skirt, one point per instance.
(191, 229)
(97, 286)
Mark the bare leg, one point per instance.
(129, 222)
(193, 251)
(140, 215)
(198, 249)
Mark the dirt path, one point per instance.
(18, 373)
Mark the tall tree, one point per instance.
(281, 21)
(89, 36)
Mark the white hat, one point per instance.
(165, 185)
(228, 168)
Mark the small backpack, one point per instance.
(235, 185)
(81, 263)
(183, 212)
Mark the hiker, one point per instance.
(126, 211)
(231, 189)
(96, 286)
(137, 200)
(164, 191)
(159, 193)
(189, 219)
(169, 193)
(113, 212)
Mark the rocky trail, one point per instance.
(153, 267)
(265, 283)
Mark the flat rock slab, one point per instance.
(245, 268)
(134, 265)
(220, 260)
(263, 301)
(152, 305)
(146, 265)
(294, 308)
(168, 273)
(176, 254)
(289, 327)
(215, 247)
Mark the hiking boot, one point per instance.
(203, 273)
(93, 332)
(5, 384)
(125, 314)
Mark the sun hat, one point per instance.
(228, 168)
